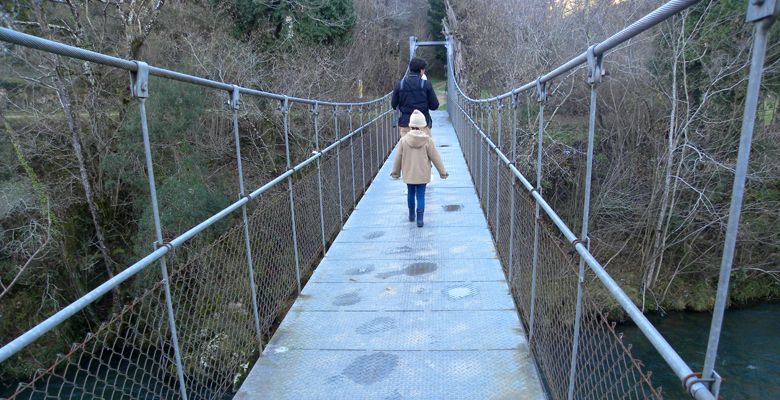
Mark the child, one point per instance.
(416, 152)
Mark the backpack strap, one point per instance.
(403, 80)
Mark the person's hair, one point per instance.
(417, 64)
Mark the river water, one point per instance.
(748, 359)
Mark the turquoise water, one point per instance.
(749, 356)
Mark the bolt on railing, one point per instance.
(468, 116)
(266, 298)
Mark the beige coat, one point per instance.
(416, 152)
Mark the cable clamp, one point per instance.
(139, 80)
(713, 384)
(760, 9)
(167, 245)
(595, 65)
(541, 90)
(235, 98)
(585, 242)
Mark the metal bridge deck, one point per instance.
(399, 312)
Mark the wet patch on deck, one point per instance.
(453, 207)
(376, 325)
(373, 235)
(414, 269)
(460, 292)
(371, 368)
(360, 270)
(346, 299)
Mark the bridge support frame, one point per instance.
(139, 85)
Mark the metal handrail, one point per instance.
(51, 46)
(757, 12)
(26, 40)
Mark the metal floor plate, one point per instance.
(399, 312)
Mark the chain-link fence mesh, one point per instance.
(544, 282)
(131, 355)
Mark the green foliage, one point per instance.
(747, 287)
(436, 13)
(312, 21)
(184, 199)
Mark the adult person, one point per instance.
(414, 93)
(416, 151)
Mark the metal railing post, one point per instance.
(763, 16)
(362, 152)
(541, 92)
(594, 78)
(499, 108)
(285, 109)
(379, 142)
(481, 169)
(385, 138)
(235, 103)
(512, 194)
(370, 145)
(338, 162)
(487, 155)
(140, 90)
(352, 157)
(315, 111)
(473, 141)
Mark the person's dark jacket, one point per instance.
(414, 97)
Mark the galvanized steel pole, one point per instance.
(362, 154)
(481, 168)
(763, 20)
(235, 100)
(499, 108)
(140, 90)
(285, 108)
(594, 77)
(315, 111)
(487, 170)
(352, 156)
(338, 162)
(512, 193)
(541, 93)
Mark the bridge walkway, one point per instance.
(397, 312)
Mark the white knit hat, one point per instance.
(417, 120)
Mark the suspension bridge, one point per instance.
(320, 288)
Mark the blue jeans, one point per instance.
(416, 191)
